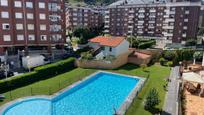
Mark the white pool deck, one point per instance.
(121, 111)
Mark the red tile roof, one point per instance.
(107, 41)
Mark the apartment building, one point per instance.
(173, 22)
(28, 24)
(83, 17)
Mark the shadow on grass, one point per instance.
(155, 111)
(165, 113)
(128, 67)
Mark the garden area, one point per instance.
(173, 57)
(26, 85)
(141, 43)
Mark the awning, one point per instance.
(193, 77)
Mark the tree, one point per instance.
(143, 66)
(152, 99)
(201, 31)
(134, 42)
(196, 55)
(169, 55)
(84, 34)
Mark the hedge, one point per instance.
(39, 73)
(18, 81)
(55, 68)
(146, 44)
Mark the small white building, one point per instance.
(110, 46)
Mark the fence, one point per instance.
(45, 90)
(133, 101)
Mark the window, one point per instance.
(19, 26)
(30, 16)
(43, 37)
(18, 4)
(7, 37)
(31, 37)
(18, 15)
(29, 5)
(42, 27)
(5, 26)
(4, 2)
(41, 5)
(20, 37)
(110, 49)
(42, 16)
(4, 14)
(30, 26)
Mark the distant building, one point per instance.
(26, 24)
(83, 17)
(173, 22)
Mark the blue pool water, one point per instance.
(97, 95)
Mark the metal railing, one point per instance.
(49, 89)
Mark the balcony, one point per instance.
(169, 20)
(151, 22)
(141, 16)
(140, 22)
(130, 27)
(168, 27)
(141, 11)
(131, 11)
(106, 31)
(107, 12)
(185, 20)
(152, 10)
(131, 16)
(106, 26)
(167, 34)
(152, 16)
(185, 27)
(107, 17)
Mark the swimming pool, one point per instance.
(98, 94)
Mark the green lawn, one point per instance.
(52, 85)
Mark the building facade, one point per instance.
(26, 24)
(173, 22)
(83, 17)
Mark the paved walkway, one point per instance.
(171, 100)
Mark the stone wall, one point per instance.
(138, 61)
(102, 64)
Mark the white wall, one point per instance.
(120, 49)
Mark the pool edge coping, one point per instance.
(122, 109)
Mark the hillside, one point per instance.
(90, 2)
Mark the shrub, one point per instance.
(86, 55)
(147, 44)
(169, 63)
(198, 55)
(55, 68)
(169, 55)
(18, 81)
(110, 58)
(162, 61)
(152, 99)
(143, 66)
